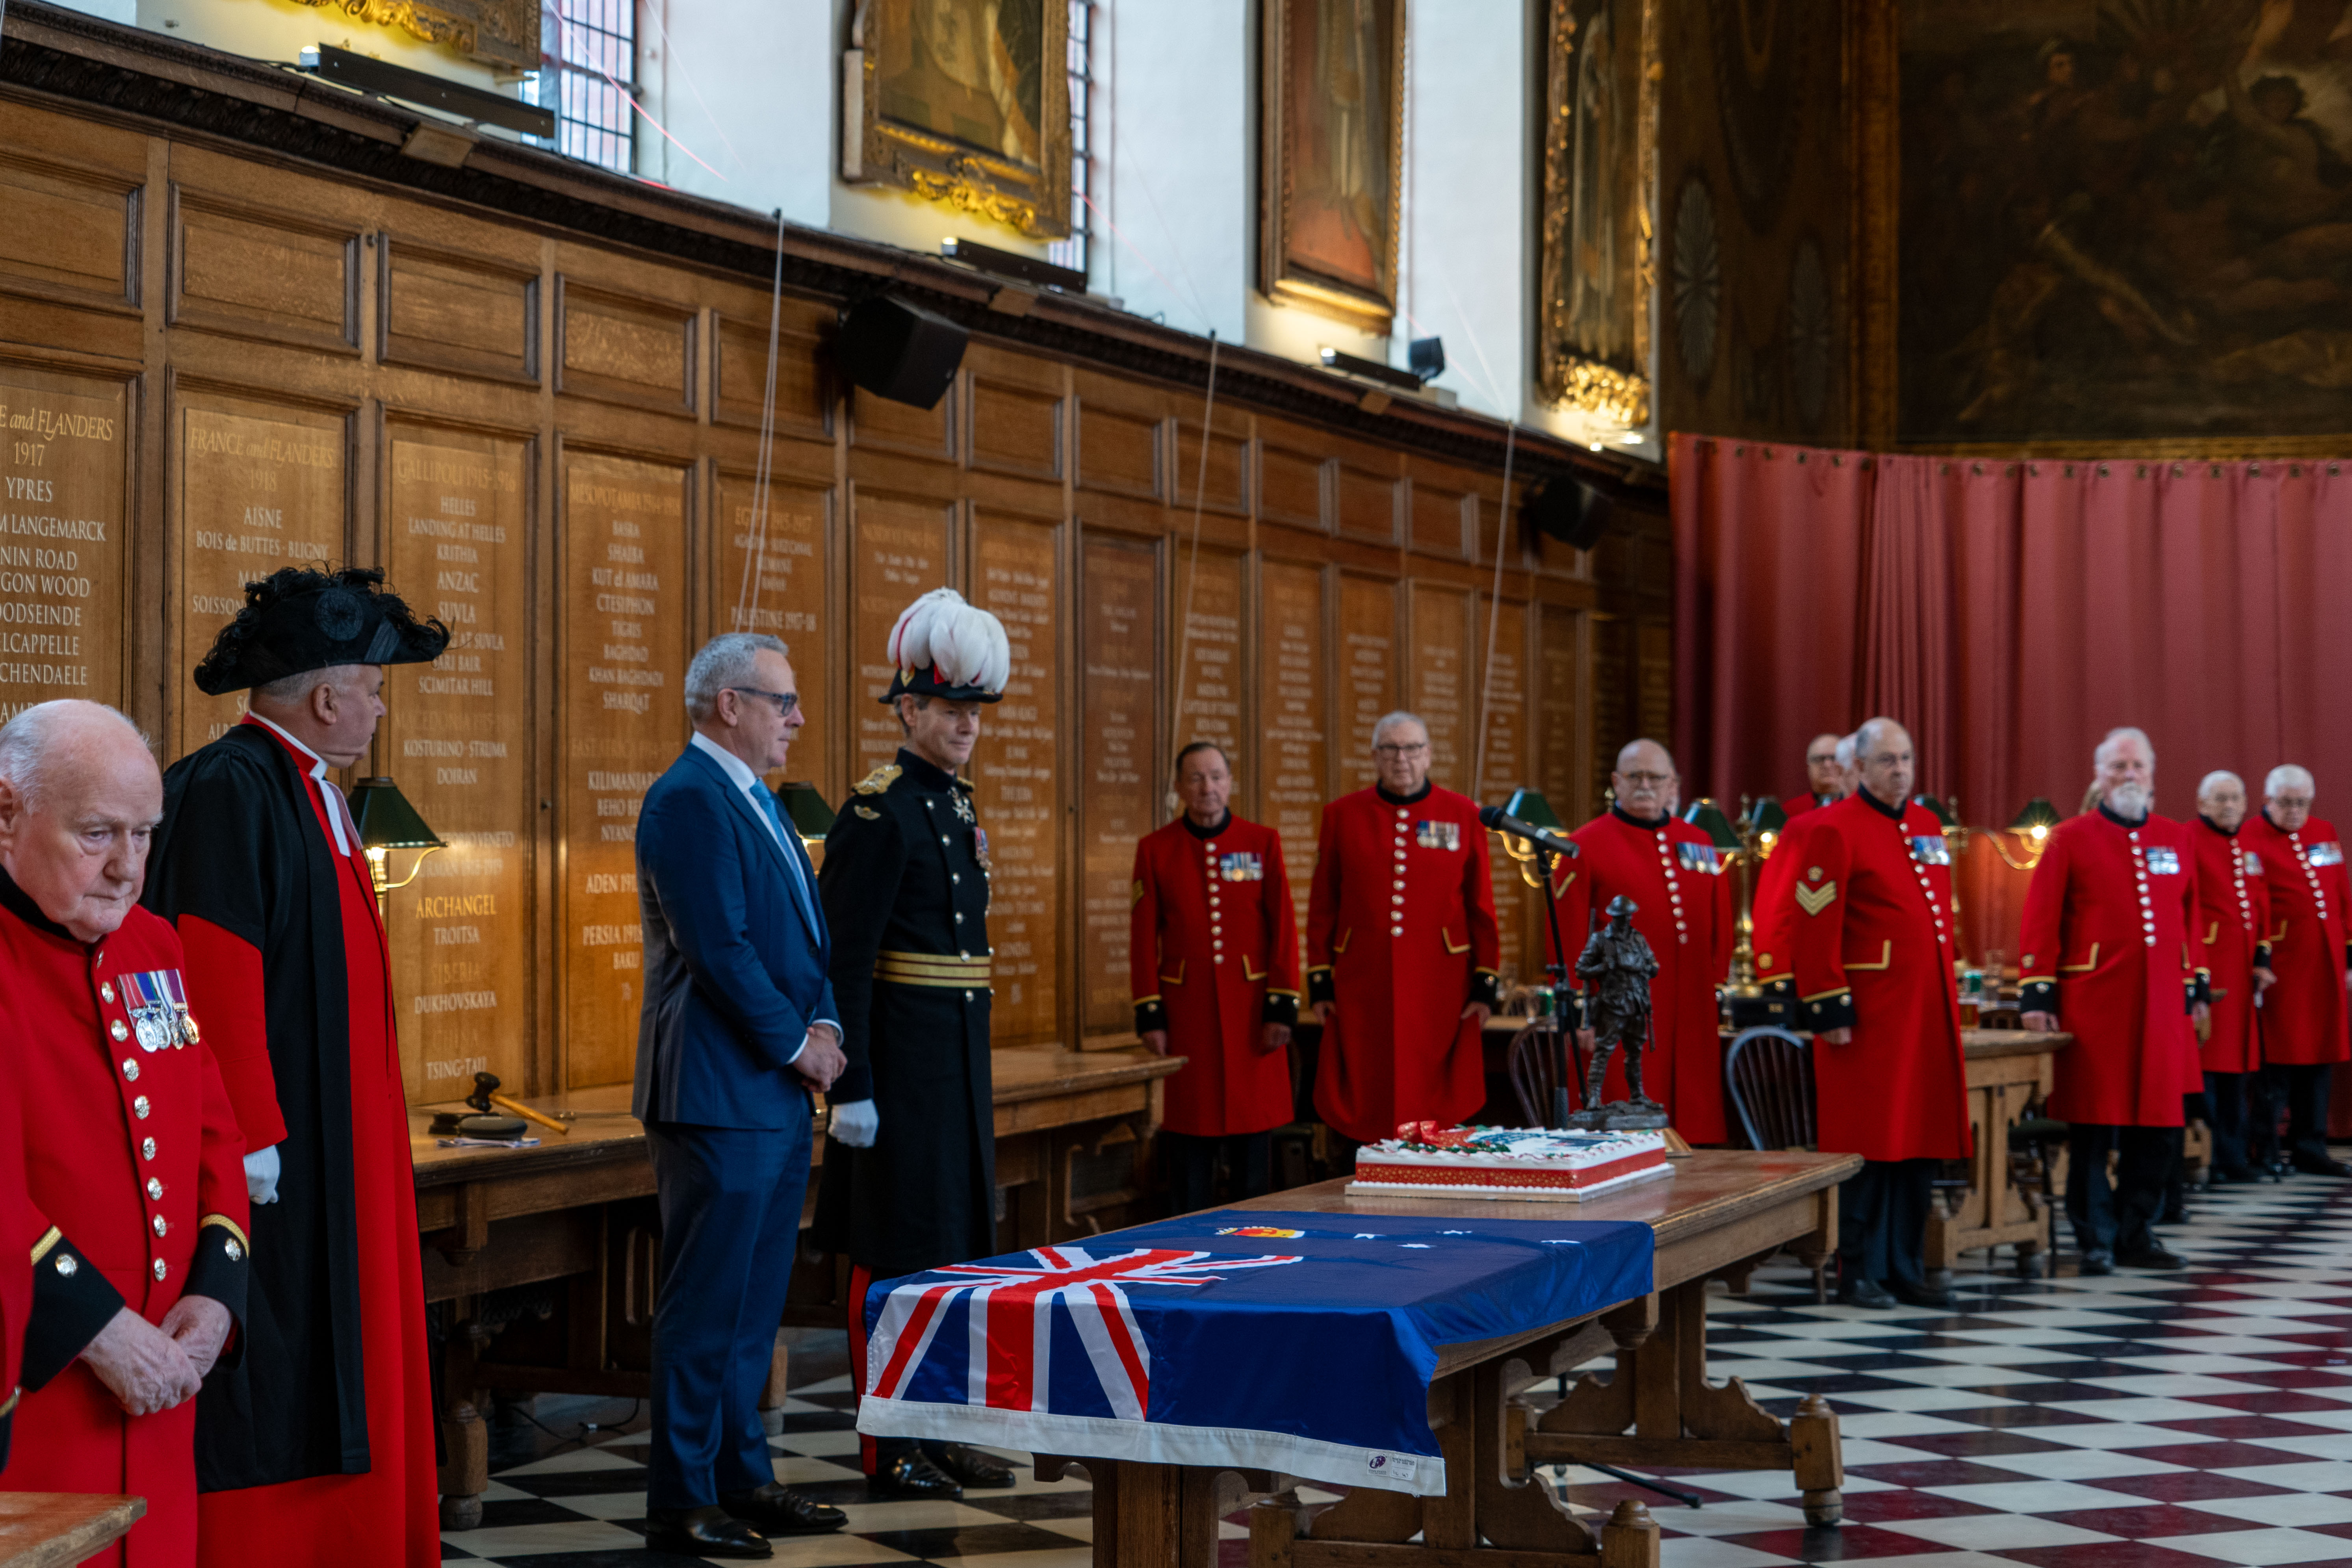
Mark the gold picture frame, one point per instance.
(501, 33)
(1331, 141)
(1599, 254)
(976, 118)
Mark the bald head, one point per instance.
(79, 798)
(1882, 750)
(1644, 781)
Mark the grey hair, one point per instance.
(30, 741)
(2286, 776)
(288, 689)
(1387, 721)
(2122, 733)
(725, 661)
(1644, 741)
(2215, 780)
(1847, 748)
(1872, 728)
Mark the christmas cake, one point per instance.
(1532, 1163)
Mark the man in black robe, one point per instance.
(910, 1180)
(324, 1436)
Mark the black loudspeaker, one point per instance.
(897, 349)
(1574, 513)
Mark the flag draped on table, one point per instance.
(1300, 1343)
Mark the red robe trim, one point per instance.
(388, 1514)
(1872, 950)
(2110, 936)
(1682, 895)
(134, 1173)
(1401, 935)
(2233, 911)
(2304, 1016)
(1212, 956)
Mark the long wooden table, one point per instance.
(2008, 1073)
(553, 1252)
(1721, 1214)
(53, 1530)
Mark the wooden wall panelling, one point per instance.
(625, 348)
(1653, 651)
(739, 356)
(1365, 494)
(1226, 487)
(1442, 516)
(73, 231)
(900, 549)
(1120, 643)
(1501, 692)
(1291, 763)
(1366, 668)
(1017, 772)
(250, 271)
(773, 571)
(1209, 626)
(1290, 480)
(876, 424)
(257, 484)
(458, 737)
(1613, 717)
(1015, 404)
(622, 634)
(448, 311)
(1439, 685)
(67, 457)
(1561, 765)
(1120, 436)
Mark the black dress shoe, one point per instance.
(2238, 1174)
(1912, 1293)
(706, 1531)
(2096, 1262)
(2152, 1257)
(968, 1466)
(777, 1509)
(2313, 1166)
(1864, 1293)
(2176, 1214)
(911, 1474)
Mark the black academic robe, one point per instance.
(240, 847)
(905, 886)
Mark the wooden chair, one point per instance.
(1536, 1055)
(1768, 1075)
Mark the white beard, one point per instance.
(2129, 800)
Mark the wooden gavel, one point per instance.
(486, 1097)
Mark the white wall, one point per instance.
(747, 87)
(123, 11)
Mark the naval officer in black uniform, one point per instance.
(910, 1162)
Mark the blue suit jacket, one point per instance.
(734, 971)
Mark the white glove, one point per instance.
(261, 1176)
(855, 1122)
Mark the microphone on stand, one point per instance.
(1502, 821)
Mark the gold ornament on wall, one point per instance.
(964, 104)
(500, 33)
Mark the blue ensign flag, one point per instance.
(1301, 1342)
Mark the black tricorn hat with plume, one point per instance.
(296, 620)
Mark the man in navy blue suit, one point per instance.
(738, 1025)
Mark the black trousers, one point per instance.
(1191, 1161)
(1883, 1221)
(2225, 1113)
(2112, 1217)
(2304, 1089)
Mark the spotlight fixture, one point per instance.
(1363, 369)
(1014, 267)
(1427, 357)
(387, 80)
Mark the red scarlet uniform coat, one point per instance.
(1872, 948)
(1774, 910)
(135, 1176)
(15, 1268)
(1795, 806)
(2111, 944)
(2234, 912)
(1213, 954)
(2303, 1016)
(1683, 906)
(1401, 934)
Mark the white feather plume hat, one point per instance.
(942, 646)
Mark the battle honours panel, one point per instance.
(621, 674)
(260, 487)
(1118, 684)
(1016, 780)
(63, 566)
(774, 561)
(1295, 760)
(456, 739)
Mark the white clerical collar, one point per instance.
(318, 772)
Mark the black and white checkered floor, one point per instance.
(2135, 1421)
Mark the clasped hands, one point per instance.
(149, 1366)
(820, 1061)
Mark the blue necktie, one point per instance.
(800, 883)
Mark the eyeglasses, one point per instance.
(1391, 749)
(1652, 779)
(785, 701)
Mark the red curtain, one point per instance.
(2011, 613)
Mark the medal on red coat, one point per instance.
(1930, 849)
(2328, 854)
(2162, 862)
(1437, 835)
(158, 1004)
(1699, 858)
(1242, 866)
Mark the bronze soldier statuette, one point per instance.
(1617, 967)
